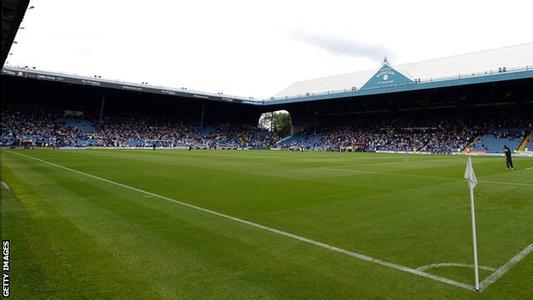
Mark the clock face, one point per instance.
(385, 77)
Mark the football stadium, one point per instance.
(349, 186)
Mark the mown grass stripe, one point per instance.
(266, 228)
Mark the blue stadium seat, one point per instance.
(82, 125)
(491, 143)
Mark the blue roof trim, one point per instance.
(490, 76)
(412, 86)
(386, 77)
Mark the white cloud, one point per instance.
(336, 45)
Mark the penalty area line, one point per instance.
(266, 228)
(506, 267)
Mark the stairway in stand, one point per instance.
(471, 144)
(525, 141)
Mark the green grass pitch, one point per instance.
(118, 233)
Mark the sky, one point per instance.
(255, 48)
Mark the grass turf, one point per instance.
(75, 236)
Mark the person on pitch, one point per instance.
(508, 158)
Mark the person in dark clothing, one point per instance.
(153, 146)
(508, 159)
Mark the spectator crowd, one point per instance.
(436, 132)
(20, 129)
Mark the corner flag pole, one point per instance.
(470, 176)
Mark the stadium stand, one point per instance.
(19, 129)
(82, 125)
(444, 105)
(492, 143)
(443, 132)
(508, 131)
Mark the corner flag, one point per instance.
(470, 176)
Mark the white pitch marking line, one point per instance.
(386, 174)
(509, 183)
(5, 186)
(273, 230)
(440, 265)
(423, 176)
(503, 269)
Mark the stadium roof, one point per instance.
(97, 81)
(513, 58)
(502, 64)
(12, 14)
